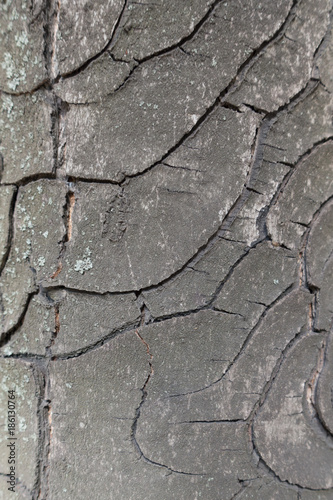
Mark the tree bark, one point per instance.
(166, 250)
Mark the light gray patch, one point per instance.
(22, 64)
(26, 138)
(19, 377)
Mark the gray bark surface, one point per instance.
(166, 249)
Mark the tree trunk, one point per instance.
(166, 250)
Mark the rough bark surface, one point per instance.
(166, 248)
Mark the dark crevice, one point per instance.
(74, 179)
(181, 167)
(39, 370)
(290, 39)
(68, 208)
(310, 403)
(257, 303)
(30, 178)
(40, 366)
(44, 85)
(180, 314)
(146, 316)
(47, 36)
(235, 421)
(51, 13)
(129, 327)
(274, 147)
(55, 114)
(264, 467)
(46, 435)
(179, 143)
(328, 259)
(312, 149)
(28, 357)
(231, 106)
(56, 288)
(252, 190)
(157, 464)
(235, 82)
(227, 312)
(185, 39)
(309, 87)
(230, 273)
(255, 109)
(240, 491)
(55, 331)
(319, 415)
(227, 221)
(302, 224)
(231, 240)
(60, 140)
(313, 289)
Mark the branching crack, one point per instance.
(303, 272)
(106, 47)
(96, 345)
(244, 345)
(8, 335)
